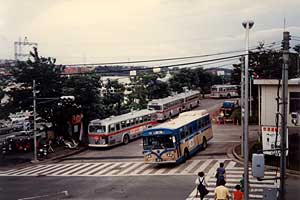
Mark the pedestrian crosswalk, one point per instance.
(191, 167)
(233, 177)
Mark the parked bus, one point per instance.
(120, 129)
(227, 91)
(173, 105)
(178, 139)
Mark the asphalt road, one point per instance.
(133, 151)
(152, 183)
(104, 188)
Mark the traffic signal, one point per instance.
(285, 44)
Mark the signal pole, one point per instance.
(285, 56)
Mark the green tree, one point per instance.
(48, 85)
(114, 97)
(86, 90)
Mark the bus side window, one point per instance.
(144, 118)
(131, 122)
(117, 126)
(199, 124)
(182, 135)
(190, 131)
(123, 124)
(127, 123)
(111, 128)
(141, 120)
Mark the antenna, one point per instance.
(284, 24)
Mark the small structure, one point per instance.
(267, 94)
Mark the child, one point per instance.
(237, 194)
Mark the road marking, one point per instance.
(86, 169)
(191, 166)
(92, 172)
(230, 165)
(133, 166)
(137, 170)
(65, 193)
(101, 172)
(203, 166)
(76, 169)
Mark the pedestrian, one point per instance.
(220, 174)
(201, 185)
(222, 192)
(242, 184)
(237, 194)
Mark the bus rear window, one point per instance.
(97, 129)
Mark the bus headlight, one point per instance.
(170, 154)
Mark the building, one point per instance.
(267, 94)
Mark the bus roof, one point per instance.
(119, 118)
(188, 93)
(182, 119)
(224, 85)
(165, 100)
(173, 98)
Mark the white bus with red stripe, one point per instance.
(120, 129)
(224, 91)
(173, 105)
(191, 99)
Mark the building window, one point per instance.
(294, 102)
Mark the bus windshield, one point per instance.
(97, 129)
(154, 107)
(158, 142)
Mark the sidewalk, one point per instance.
(21, 159)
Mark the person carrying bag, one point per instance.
(201, 185)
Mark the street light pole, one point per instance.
(242, 104)
(247, 25)
(34, 121)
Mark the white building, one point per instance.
(267, 93)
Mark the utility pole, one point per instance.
(18, 48)
(242, 104)
(285, 56)
(247, 25)
(34, 120)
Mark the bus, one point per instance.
(120, 129)
(224, 91)
(168, 107)
(171, 106)
(178, 139)
(191, 99)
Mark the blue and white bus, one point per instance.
(178, 139)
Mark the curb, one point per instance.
(240, 160)
(69, 154)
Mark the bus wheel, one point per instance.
(126, 139)
(204, 143)
(186, 155)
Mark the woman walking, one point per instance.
(220, 175)
(201, 185)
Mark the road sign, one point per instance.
(269, 138)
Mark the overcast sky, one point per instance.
(76, 31)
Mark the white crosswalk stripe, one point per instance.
(233, 177)
(135, 168)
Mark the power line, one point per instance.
(166, 59)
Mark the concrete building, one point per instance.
(267, 93)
